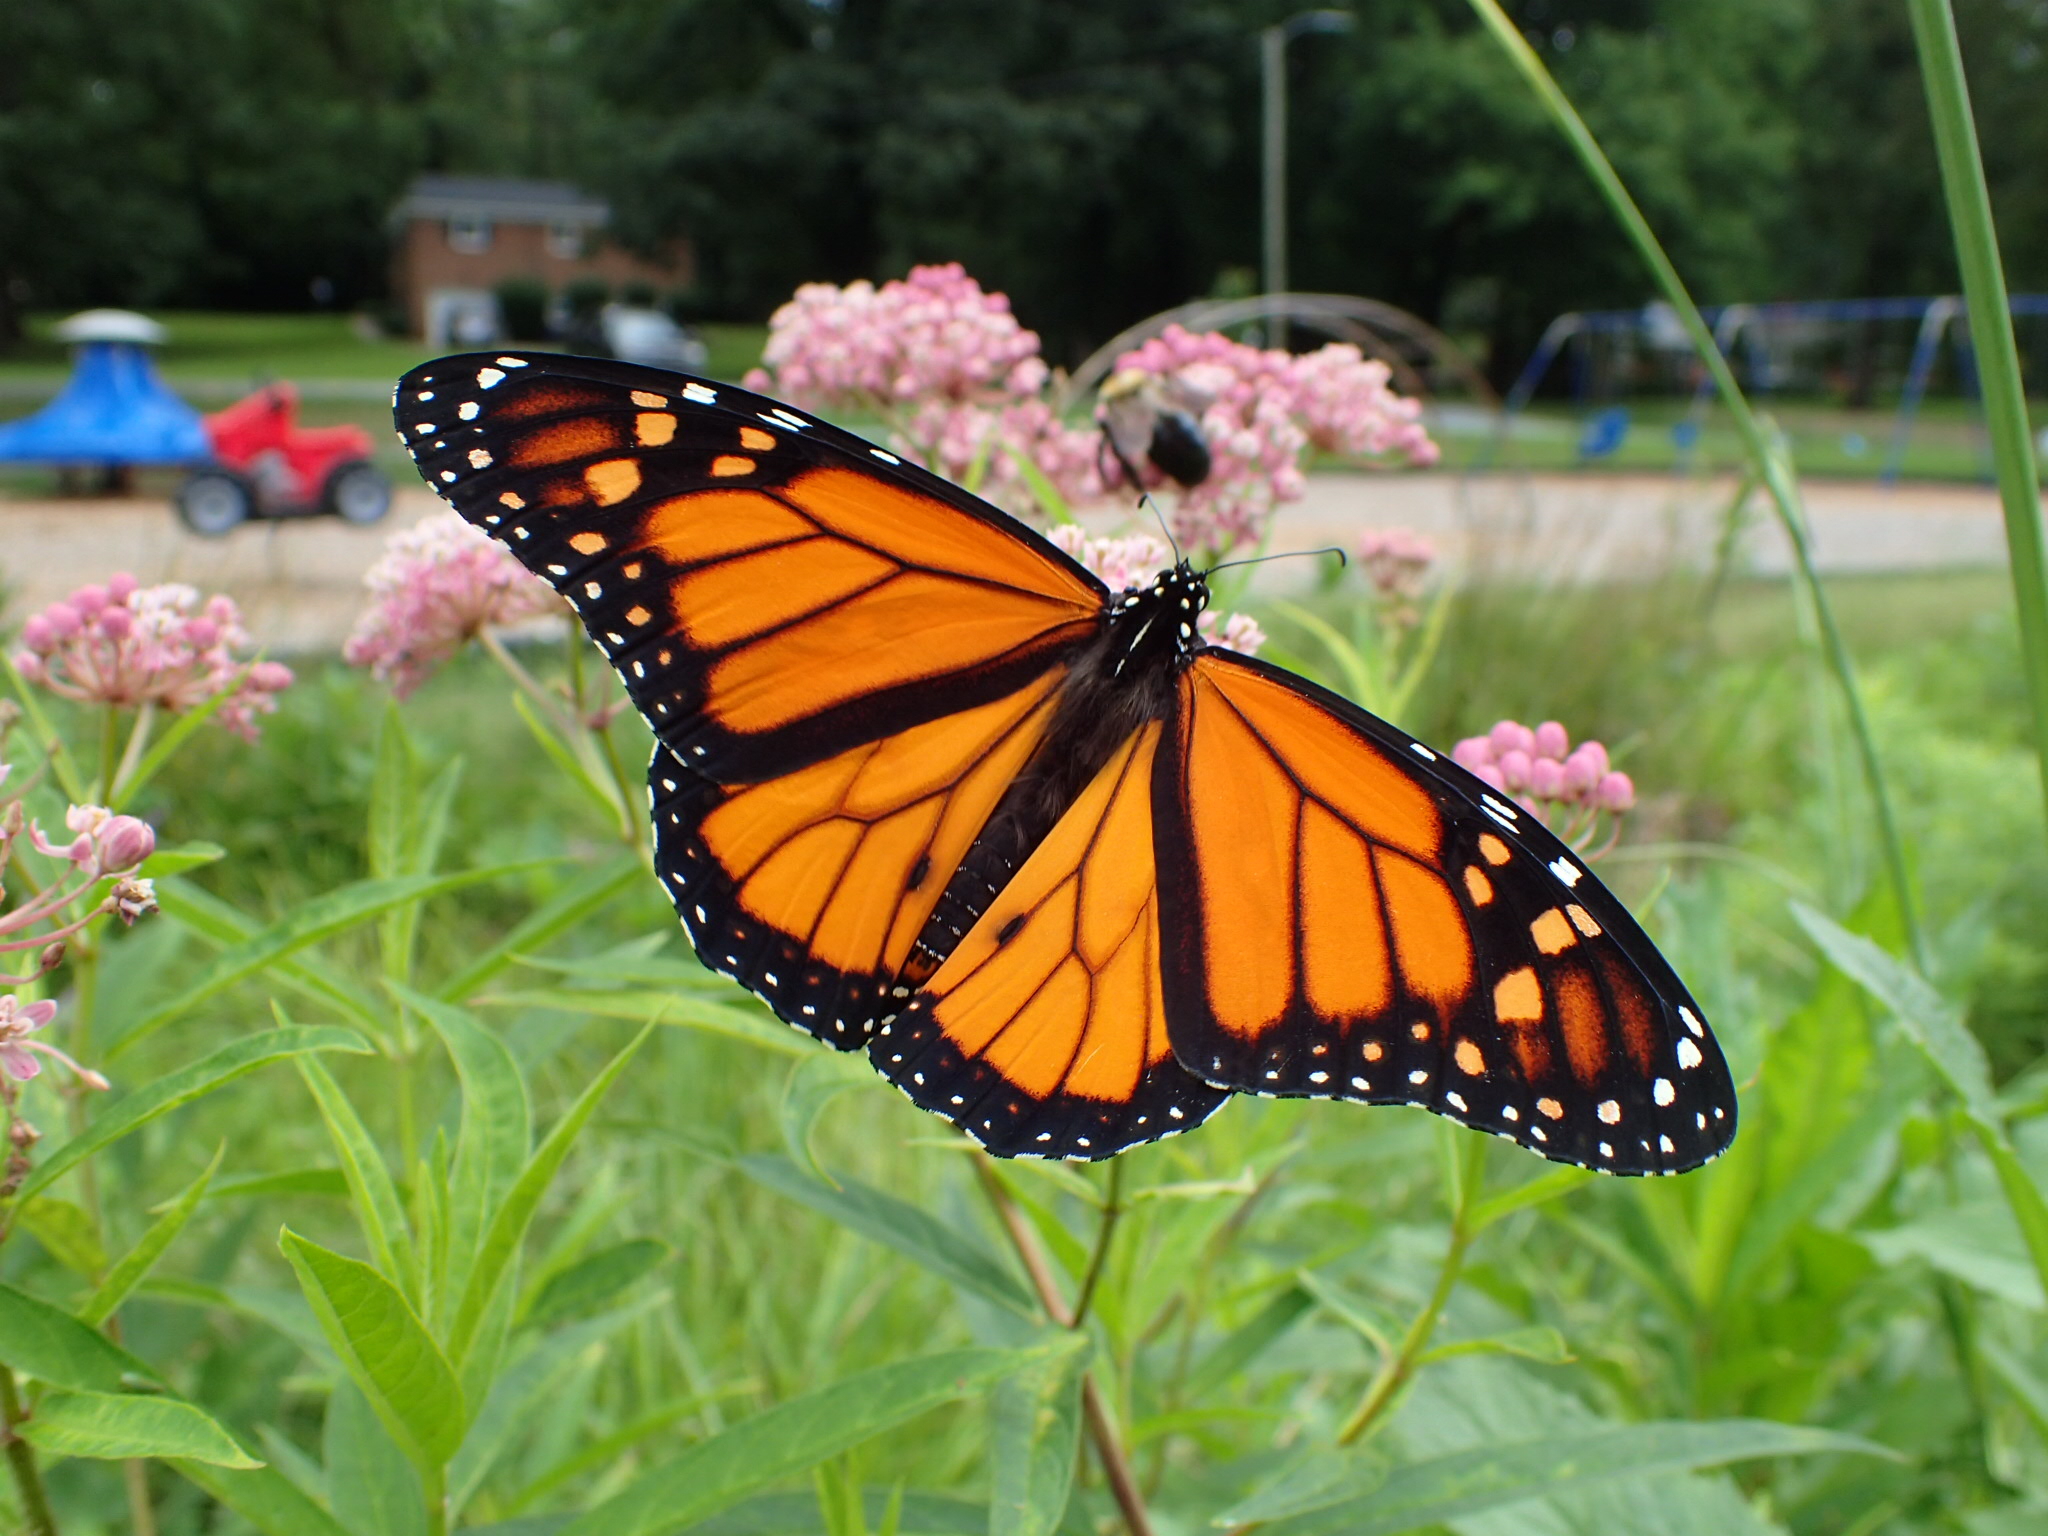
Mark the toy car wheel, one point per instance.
(357, 493)
(213, 502)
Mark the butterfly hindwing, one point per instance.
(772, 590)
(814, 889)
(1349, 915)
(1044, 1032)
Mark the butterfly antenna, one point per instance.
(1166, 528)
(1285, 554)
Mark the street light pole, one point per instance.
(1273, 43)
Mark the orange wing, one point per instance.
(1348, 915)
(772, 590)
(815, 889)
(1044, 1032)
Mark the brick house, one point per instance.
(458, 237)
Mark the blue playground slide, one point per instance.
(112, 410)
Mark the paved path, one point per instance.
(299, 583)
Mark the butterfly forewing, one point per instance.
(1348, 915)
(769, 598)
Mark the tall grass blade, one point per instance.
(1767, 457)
(134, 1266)
(1991, 337)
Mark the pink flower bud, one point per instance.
(1514, 769)
(1489, 773)
(1552, 740)
(116, 623)
(1546, 779)
(1616, 792)
(1513, 735)
(124, 843)
(121, 586)
(201, 632)
(1473, 753)
(1593, 758)
(89, 600)
(63, 620)
(30, 666)
(270, 677)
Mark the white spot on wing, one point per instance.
(1567, 871)
(697, 394)
(487, 377)
(1688, 1054)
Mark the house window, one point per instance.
(469, 234)
(565, 241)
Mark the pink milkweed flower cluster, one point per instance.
(1396, 561)
(102, 846)
(1260, 411)
(932, 335)
(959, 380)
(1567, 787)
(436, 586)
(1134, 561)
(129, 645)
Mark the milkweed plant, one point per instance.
(389, 1167)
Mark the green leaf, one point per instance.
(370, 1189)
(311, 922)
(1035, 1440)
(373, 1488)
(112, 1426)
(581, 897)
(1545, 1345)
(817, 1078)
(733, 1022)
(1931, 1022)
(525, 1390)
(562, 756)
(294, 1182)
(492, 1141)
(183, 1086)
(1239, 1349)
(264, 1498)
(165, 862)
(385, 1350)
(500, 1247)
(1977, 1243)
(305, 975)
(1545, 1187)
(1043, 491)
(947, 1251)
(51, 1345)
(2019, 1378)
(67, 1232)
(1446, 1488)
(136, 1264)
(782, 1441)
(591, 1282)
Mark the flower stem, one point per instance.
(1467, 1163)
(21, 1460)
(110, 752)
(1102, 1430)
(1772, 466)
(1112, 1210)
(1991, 334)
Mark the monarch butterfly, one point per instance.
(1070, 876)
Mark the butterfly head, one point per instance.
(1158, 619)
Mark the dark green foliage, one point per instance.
(1096, 159)
(523, 306)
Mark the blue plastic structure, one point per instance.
(112, 410)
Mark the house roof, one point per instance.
(503, 198)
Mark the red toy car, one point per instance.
(270, 466)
